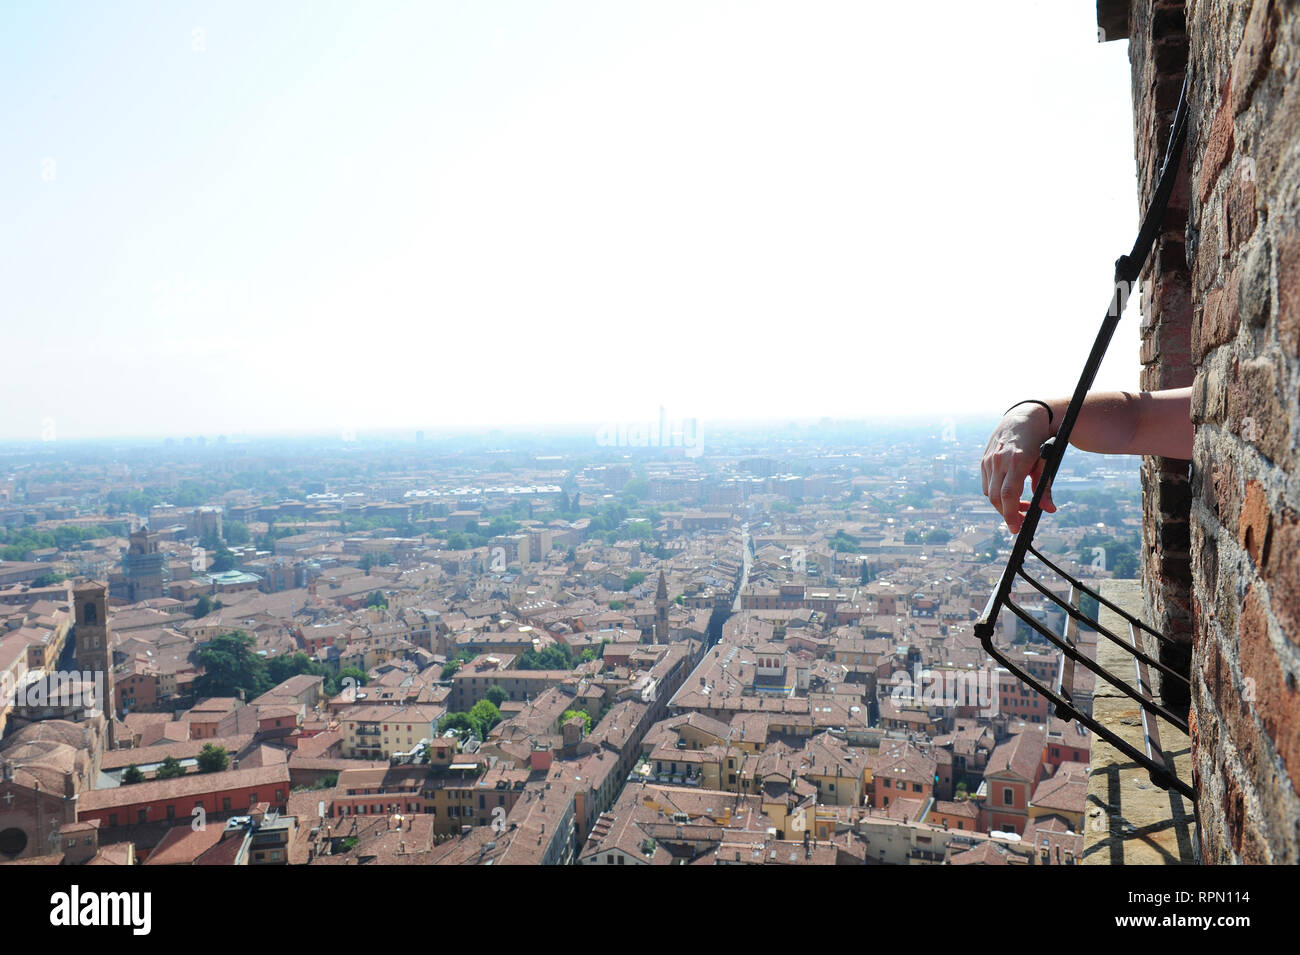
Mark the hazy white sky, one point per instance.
(245, 217)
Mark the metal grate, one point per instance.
(1138, 687)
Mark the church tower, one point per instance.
(661, 610)
(94, 642)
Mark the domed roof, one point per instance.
(49, 731)
(47, 751)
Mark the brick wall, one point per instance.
(1244, 219)
(1221, 311)
(1158, 54)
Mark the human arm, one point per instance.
(1110, 422)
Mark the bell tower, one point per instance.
(661, 610)
(94, 639)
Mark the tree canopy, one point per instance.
(557, 656)
(230, 665)
(171, 768)
(213, 759)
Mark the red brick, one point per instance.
(1254, 410)
(1254, 848)
(1256, 524)
(1226, 496)
(1254, 52)
(1276, 702)
(1281, 570)
(1288, 290)
(1234, 810)
(1239, 206)
(1208, 254)
(1219, 143)
(1220, 318)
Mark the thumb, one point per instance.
(1037, 474)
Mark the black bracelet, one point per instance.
(1032, 401)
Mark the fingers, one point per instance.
(1003, 471)
(1037, 473)
(1009, 505)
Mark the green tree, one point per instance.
(911, 537)
(203, 607)
(570, 714)
(171, 768)
(48, 580)
(633, 579)
(132, 775)
(279, 669)
(484, 715)
(496, 696)
(557, 656)
(213, 759)
(230, 666)
(236, 532)
(638, 489)
(460, 722)
(224, 561)
(377, 599)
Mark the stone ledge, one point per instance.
(1127, 820)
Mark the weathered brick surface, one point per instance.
(1256, 523)
(1239, 206)
(1253, 53)
(1282, 573)
(1288, 291)
(1221, 551)
(1158, 52)
(1219, 320)
(1269, 689)
(1218, 146)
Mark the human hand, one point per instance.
(1011, 456)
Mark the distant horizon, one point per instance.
(304, 216)
(565, 429)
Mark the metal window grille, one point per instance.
(1138, 687)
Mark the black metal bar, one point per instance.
(1159, 770)
(1127, 270)
(1128, 617)
(1145, 702)
(1139, 757)
(1070, 634)
(1096, 625)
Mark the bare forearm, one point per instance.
(1122, 422)
(1110, 422)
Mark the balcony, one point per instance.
(1127, 820)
